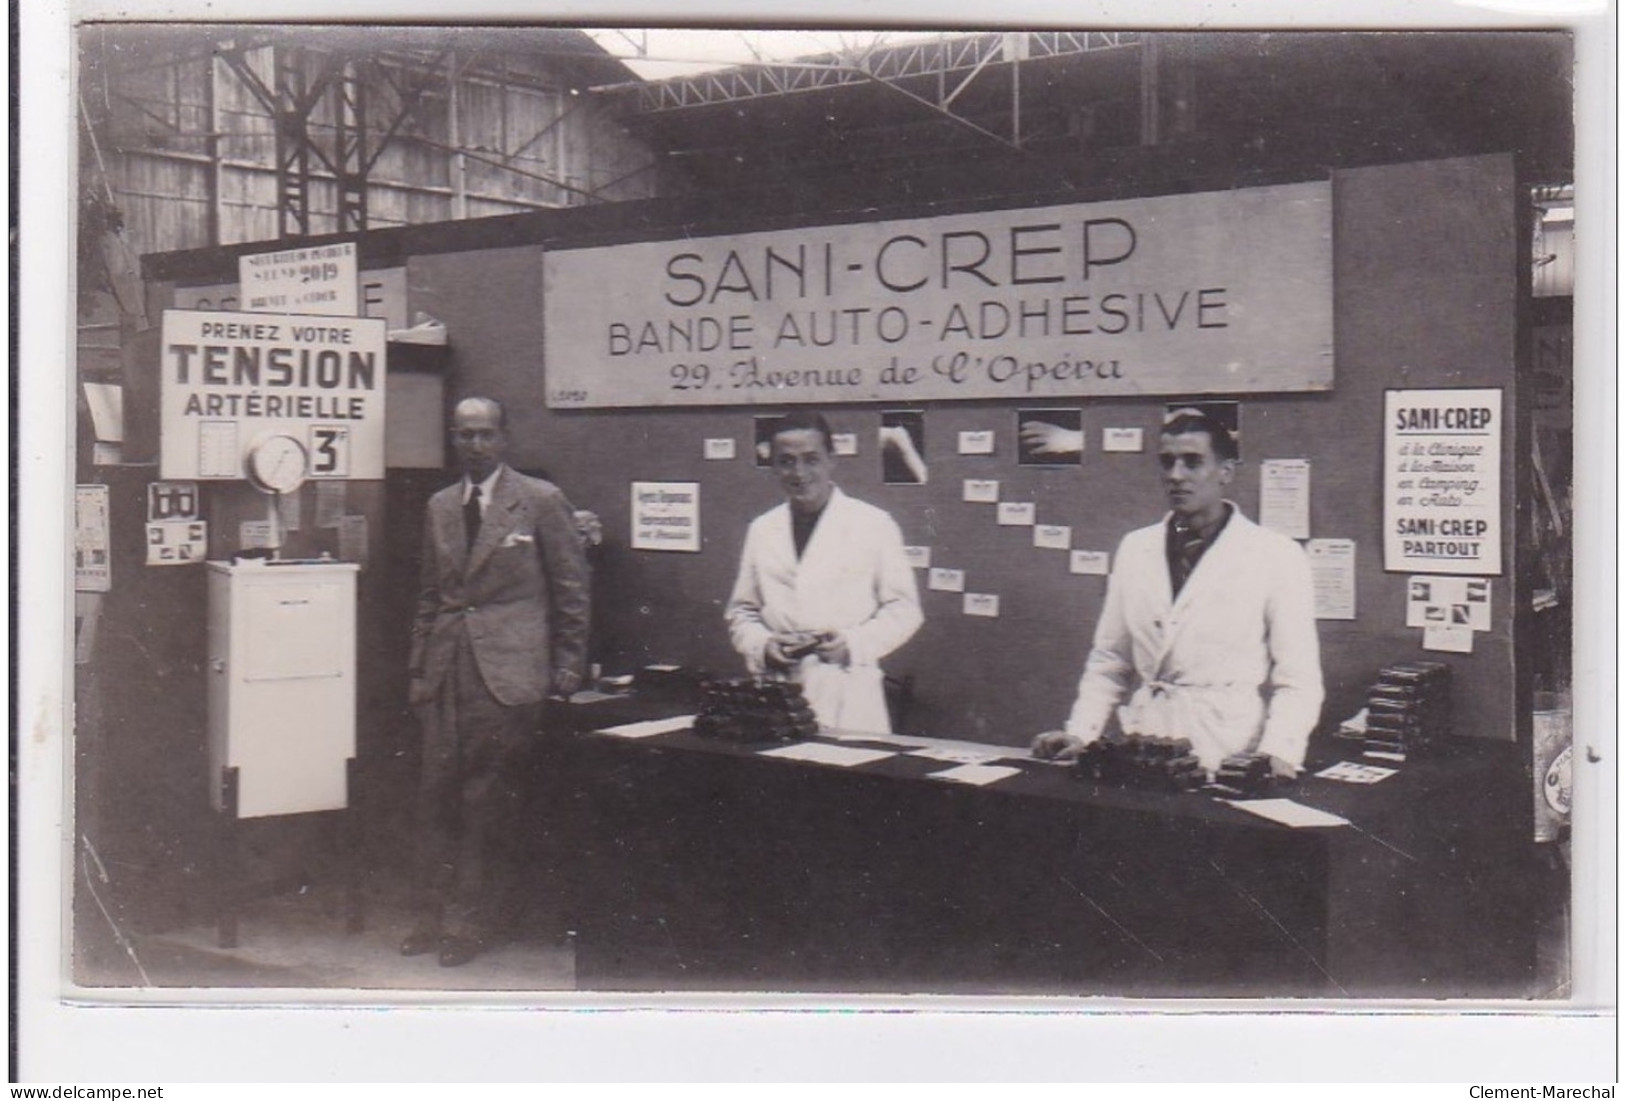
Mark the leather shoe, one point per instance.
(456, 951)
(419, 941)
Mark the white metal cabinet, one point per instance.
(282, 691)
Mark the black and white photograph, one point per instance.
(1050, 437)
(426, 641)
(902, 448)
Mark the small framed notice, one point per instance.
(666, 516)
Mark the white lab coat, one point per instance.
(854, 578)
(1233, 664)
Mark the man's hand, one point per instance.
(1056, 745)
(1281, 770)
(566, 683)
(1045, 438)
(417, 693)
(786, 649)
(832, 648)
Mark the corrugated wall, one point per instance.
(190, 150)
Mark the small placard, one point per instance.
(1052, 536)
(846, 443)
(666, 516)
(976, 443)
(918, 557)
(172, 501)
(1451, 638)
(1451, 601)
(1092, 562)
(1017, 513)
(946, 581)
(981, 491)
(1122, 439)
(176, 542)
(720, 449)
(254, 534)
(982, 604)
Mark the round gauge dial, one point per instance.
(278, 464)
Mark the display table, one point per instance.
(699, 865)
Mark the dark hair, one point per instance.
(1192, 420)
(806, 421)
(502, 410)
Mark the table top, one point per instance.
(1436, 795)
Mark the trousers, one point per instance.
(470, 798)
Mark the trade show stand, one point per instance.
(694, 864)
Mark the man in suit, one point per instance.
(1208, 630)
(501, 624)
(824, 590)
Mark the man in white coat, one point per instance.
(1208, 630)
(824, 590)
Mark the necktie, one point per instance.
(471, 516)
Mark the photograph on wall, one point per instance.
(1049, 437)
(721, 713)
(763, 437)
(902, 448)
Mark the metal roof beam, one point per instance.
(943, 56)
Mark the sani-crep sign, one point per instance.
(230, 379)
(1221, 292)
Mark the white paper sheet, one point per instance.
(872, 736)
(1287, 812)
(1283, 497)
(650, 727)
(1448, 638)
(982, 604)
(958, 756)
(1122, 439)
(1352, 772)
(976, 442)
(844, 756)
(1096, 563)
(979, 775)
(981, 490)
(1331, 565)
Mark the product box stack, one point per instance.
(1408, 709)
(750, 710)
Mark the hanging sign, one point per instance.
(1442, 481)
(231, 379)
(666, 516)
(320, 279)
(1218, 292)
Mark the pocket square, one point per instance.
(517, 539)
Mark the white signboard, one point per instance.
(666, 516)
(230, 379)
(1283, 496)
(1442, 481)
(383, 294)
(1331, 567)
(320, 279)
(92, 540)
(1215, 292)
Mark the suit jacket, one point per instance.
(520, 592)
(1233, 663)
(853, 578)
